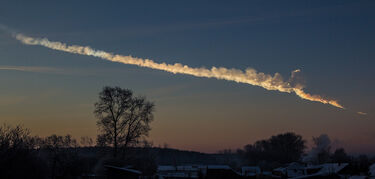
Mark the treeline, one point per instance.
(26, 156)
(56, 156)
(289, 147)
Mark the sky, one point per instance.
(331, 42)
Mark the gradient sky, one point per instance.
(332, 42)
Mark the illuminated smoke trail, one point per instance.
(249, 76)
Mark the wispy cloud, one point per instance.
(33, 69)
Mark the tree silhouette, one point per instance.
(282, 148)
(123, 118)
(18, 157)
(86, 141)
(61, 154)
(340, 156)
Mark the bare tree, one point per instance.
(123, 118)
(61, 155)
(14, 137)
(86, 141)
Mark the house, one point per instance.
(121, 172)
(291, 170)
(197, 171)
(183, 171)
(371, 170)
(358, 177)
(371, 173)
(250, 171)
(327, 170)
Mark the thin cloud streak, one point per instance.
(249, 76)
(42, 69)
(32, 69)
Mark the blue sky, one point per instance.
(332, 43)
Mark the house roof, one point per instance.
(180, 167)
(371, 170)
(326, 169)
(332, 167)
(166, 168)
(295, 165)
(250, 168)
(357, 177)
(124, 169)
(225, 167)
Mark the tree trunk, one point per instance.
(115, 142)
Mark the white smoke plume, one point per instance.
(322, 144)
(361, 113)
(249, 76)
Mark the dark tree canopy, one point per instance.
(340, 156)
(123, 117)
(18, 159)
(282, 148)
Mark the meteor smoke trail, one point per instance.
(249, 76)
